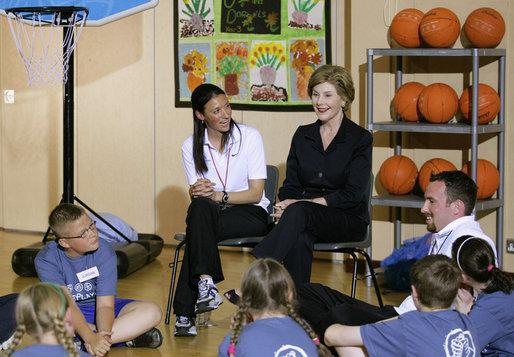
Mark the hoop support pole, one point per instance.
(68, 39)
(68, 125)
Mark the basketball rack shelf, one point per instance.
(473, 130)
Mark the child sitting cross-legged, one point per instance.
(87, 266)
(432, 330)
(266, 323)
(43, 312)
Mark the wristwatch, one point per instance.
(224, 199)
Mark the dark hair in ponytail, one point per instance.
(199, 98)
(476, 259)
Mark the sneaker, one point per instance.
(209, 297)
(185, 326)
(5, 345)
(78, 344)
(150, 339)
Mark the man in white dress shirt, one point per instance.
(449, 202)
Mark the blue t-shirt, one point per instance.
(273, 337)
(492, 316)
(45, 351)
(423, 334)
(98, 268)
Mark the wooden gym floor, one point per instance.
(152, 282)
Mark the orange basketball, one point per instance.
(440, 27)
(398, 174)
(438, 103)
(488, 177)
(405, 27)
(488, 103)
(433, 167)
(405, 101)
(484, 27)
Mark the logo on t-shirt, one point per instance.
(76, 291)
(290, 351)
(459, 344)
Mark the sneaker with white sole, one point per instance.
(78, 344)
(5, 345)
(151, 339)
(185, 327)
(209, 297)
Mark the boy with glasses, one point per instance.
(87, 267)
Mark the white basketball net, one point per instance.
(43, 49)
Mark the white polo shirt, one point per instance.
(244, 154)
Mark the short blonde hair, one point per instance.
(62, 215)
(339, 77)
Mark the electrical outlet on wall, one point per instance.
(510, 246)
(9, 96)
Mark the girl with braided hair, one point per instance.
(491, 311)
(43, 312)
(267, 322)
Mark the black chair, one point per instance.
(270, 189)
(350, 248)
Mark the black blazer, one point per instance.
(339, 174)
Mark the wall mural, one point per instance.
(261, 52)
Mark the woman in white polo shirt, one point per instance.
(225, 166)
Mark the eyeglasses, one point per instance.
(85, 233)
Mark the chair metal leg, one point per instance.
(373, 275)
(368, 272)
(172, 283)
(354, 277)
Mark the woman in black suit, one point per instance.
(323, 197)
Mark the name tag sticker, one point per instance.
(88, 274)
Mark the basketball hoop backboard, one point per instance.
(101, 12)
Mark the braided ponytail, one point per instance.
(239, 322)
(501, 281)
(64, 338)
(322, 349)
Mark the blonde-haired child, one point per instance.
(267, 323)
(43, 312)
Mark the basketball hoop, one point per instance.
(44, 55)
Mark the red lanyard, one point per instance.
(224, 184)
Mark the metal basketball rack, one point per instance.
(67, 18)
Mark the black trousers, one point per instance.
(322, 306)
(206, 225)
(301, 225)
(7, 316)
